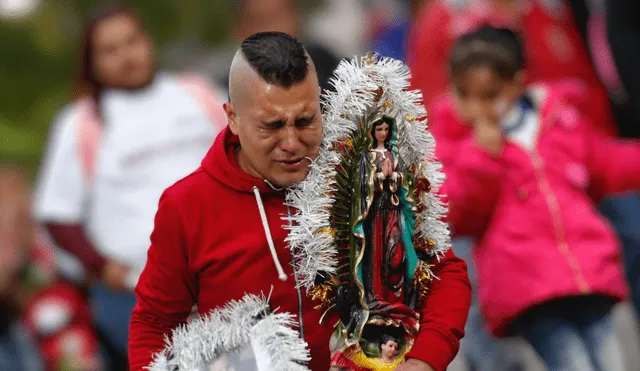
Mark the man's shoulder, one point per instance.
(198, 188)
(197, 195)
(190, 185)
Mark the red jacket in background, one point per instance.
(553, 47)
(208, 247)
(539, 234)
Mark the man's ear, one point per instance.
(232, 118)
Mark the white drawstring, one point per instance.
(265, 223)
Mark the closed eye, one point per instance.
(305, 121)
(273, 125)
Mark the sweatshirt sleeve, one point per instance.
(73, 239)
(614, 164)
(444, 314)
(472, 185)
(166, 289)
(472, 174)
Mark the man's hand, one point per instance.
(488, 135)
(114, 276)
(412, 364)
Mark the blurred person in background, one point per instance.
(391, 23)
(253, 16)
(591, 19)
(623, 31)
(16, 242)
(521, 161)
(131, 132)
(339, 25)
(46, 322)
(622, 19)
(553, 47)
(554, 51)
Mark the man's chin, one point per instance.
(286, 182)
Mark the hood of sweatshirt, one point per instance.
(221, 163)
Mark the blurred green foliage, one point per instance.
(38, 55)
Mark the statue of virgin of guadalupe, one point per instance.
(385, 262)
(368, 226)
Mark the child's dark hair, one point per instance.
(499, 49)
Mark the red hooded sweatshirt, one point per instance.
(209, 246)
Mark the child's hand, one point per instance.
(488, 135)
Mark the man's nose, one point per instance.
(290, 141)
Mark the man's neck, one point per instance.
(244, 165)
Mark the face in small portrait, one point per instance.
(388, 348)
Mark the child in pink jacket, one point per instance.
(523, 167)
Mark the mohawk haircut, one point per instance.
(278, 58)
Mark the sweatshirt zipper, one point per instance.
(556, 219)
(295, 277)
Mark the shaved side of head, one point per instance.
(274, 57)
(241, 76)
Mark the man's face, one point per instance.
(481, 94)
(279, 129)
(122, 53)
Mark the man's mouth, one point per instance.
(293, 164)
(293, 161)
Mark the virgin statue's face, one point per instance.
(382, 132)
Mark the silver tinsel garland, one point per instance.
(356, 83)
(231, 328)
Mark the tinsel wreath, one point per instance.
(229, 329)
(360, 85)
